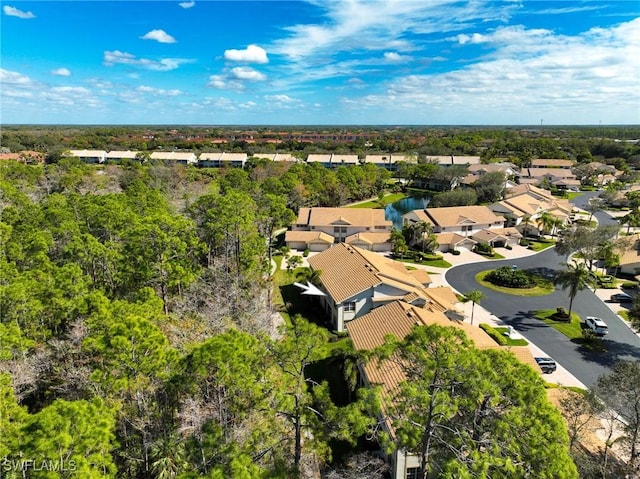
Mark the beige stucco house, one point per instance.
(88, 156)
(362, 227)
(628, 248)
(398, 319)
(356, 281)
(181, 157)
(463, 226)
(524, 204)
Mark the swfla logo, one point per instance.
(38, 465)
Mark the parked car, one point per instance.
(621, 298)
(596, 325)
(547, 365)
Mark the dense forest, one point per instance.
(141, 333)
(519, 145)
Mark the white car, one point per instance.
(597, 325)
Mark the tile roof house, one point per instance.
(464, 226)
(398, 319)
(210, 159)
(117, 156)
(551, 163)
(476, 171)
(323, 159)
(222, 159)
(628, 247)
(24, 156)
(181, 157)
(89, 156)
(523, 204)
(390, 161)
(553, 175)
(356, 281)
(448, 160)
(363, 227)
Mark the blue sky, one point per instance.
(379, 62)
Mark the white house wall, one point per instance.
(363, 306)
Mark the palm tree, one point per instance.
(546, 222)
(631, 219)
(575, 278)
(399, 243)
(474, 296)
(310, 275)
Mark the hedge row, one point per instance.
(497, 336)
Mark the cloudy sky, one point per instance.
(380, 62)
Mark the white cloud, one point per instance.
(530, 74)
(124, 58)
(223, 82)
(247, 73)
(463, 38)
(187, 4)
(251, 54)
(281, 98)
(159, 36)
(235, 78)
(61, 72)
(158, 91)
(14, 12)
(394, 57)
(8, 77)
(379, 25)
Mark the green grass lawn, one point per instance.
(542, 244)
(381, 203)
(438, 262)
(574, 194)
(571, 329)
(542, 288)
(496, 255)
(280, 278)
(511, 342)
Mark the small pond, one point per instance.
(394, 211)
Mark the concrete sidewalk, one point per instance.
(561, 376)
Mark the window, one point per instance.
(467, 227)
(349, 306)
(381, 227)
(413, 473)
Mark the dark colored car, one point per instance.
(547, 365)
(621, 298)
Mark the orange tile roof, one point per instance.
(348, 270)
(628, 247)
(308, 237)
(553, 163)
(344, 271)
(457, 215)
(352, 216)
(368, 238)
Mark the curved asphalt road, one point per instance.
(517, 311)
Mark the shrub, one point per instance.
(455, 252)
(561, 314)
(306, 252)
(510, 278)
(509, 247)
(497, 336)
(524, 242)
(483, 249)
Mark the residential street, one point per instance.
(586, 366)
